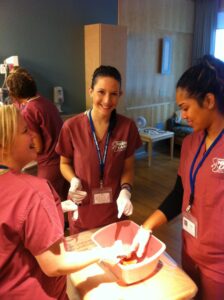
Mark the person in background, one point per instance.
(33, 260)
(97, 156)
(199, 188)
(44, 121)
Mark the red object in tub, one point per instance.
(125, 231)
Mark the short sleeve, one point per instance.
(33, 118)
(64, 145)
(42, 226)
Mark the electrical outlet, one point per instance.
(3, 68)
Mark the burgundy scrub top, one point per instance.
(76, 142)
(207, 250)
(43, 118)
(31, 222)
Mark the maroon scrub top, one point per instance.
(207, 250)
(31, 222)
(76, 142)
(43, 118)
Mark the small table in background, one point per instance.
(151, 135)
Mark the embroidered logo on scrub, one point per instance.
(218, 165)
(119, 146)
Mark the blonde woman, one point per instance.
(33, 262)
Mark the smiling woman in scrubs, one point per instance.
(97, 155)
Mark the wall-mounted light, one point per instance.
(166, 55)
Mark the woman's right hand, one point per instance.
(140, 241)
(75, 192)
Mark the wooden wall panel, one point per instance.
(148, 92)
(114, 52)
(105, 45)
(92, 56)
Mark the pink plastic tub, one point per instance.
(125, 231)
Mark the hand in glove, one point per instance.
(112, 254)
(124, 205)
(140, 241)
(75, 184)
(75, 191)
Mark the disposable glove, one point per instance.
(140, 241)
(124, 205)
(75, 184)
(75, 192)
(112, 254)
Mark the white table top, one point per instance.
(154, 132)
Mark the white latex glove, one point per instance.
(140, 241)
(75, 191)
(124, 205)
(68, 205)
(112, 254)
(75, 184)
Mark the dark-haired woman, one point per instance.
(199, 189)
(97, 156)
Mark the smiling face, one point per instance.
(198, 117)
(23, 150)
(105, 94)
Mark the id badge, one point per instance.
(102, 195)
(190, 224)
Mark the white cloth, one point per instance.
(68, 205)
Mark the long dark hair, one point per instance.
(207, 76)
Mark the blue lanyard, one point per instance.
(101, 161)
(194, 174)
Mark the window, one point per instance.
(219, 38)
(219, 45)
